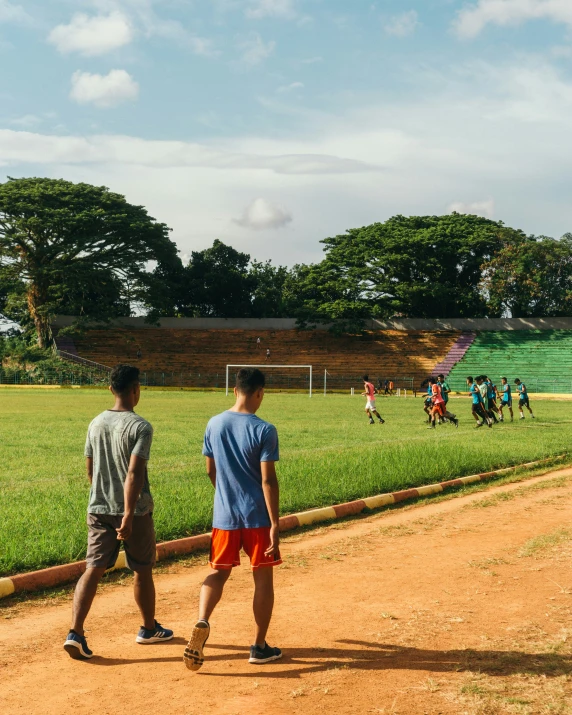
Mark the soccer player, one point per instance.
(120, 508)
(478, 409)
(428, 401)
(370, 407)
(523, 400)
(491, 398)
(439, 406)
(241, 452)
(445, 388)
(506, 399)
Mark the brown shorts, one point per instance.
(103, 544)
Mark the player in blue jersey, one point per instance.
(506, 400)
(445, 390)
(523, 400)
(491, 398)
(478, 408)
(428, 401)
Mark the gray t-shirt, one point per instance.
(112, 437)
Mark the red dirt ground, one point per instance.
(457, 606)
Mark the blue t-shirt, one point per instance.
(238, 442)
(490, 390)
(507, 393)
(522, 390)
(476, 394)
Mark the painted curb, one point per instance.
(59, 575)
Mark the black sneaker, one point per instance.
(264, 655)
(381, 422)
(371, 422)
(456, 422)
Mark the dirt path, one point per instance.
(460, 606)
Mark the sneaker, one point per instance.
(431, 427)
(521, 418)
(155, 635)
(479, 424)
(456, 422)
(371, 422)
(77, 647)
(264, 655)
(381, 422)
(490, 423)
(533, 417)
(194, 657)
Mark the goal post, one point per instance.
(266, 367)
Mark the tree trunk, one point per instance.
(37, 305)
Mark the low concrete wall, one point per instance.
(62, 321)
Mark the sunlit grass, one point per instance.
(329, 452)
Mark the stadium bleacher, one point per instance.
(199, 357)
(541, 358)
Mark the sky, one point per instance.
(273, 124)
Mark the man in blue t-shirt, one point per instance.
(478, 408)
(241, 452)
(506, 400)
(523, 400)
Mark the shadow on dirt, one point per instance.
(374, 656)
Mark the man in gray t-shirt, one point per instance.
(117, 450)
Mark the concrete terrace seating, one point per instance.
(390, 354)
(541, 358)
(456, 353)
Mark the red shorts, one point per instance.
(226, 545)
(439, 409)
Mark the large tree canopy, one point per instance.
(419, 266)
(530, 278)
(75, 245)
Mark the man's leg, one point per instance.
(83, 597)
(528, 408)
(211, 592)
(144, 592)
(368, 412)
(379, 417)
(263, 602)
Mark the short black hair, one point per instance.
(504, 378)
(433, 380)
(441, 376)
(249, 380)
(469, 379)
(365, 378)
(516, 381)
(122, 378)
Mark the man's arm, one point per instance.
(211, 470)
(272, 498)
(131, 491)
(89, 468)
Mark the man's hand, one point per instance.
(272, 550)
(124, 531)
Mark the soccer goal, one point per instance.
(271, 367)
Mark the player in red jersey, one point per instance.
(369, 394)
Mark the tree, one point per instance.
(267, 285)
(56, 236)
(415, 267)
(531, 278)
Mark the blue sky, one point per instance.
(271, 124)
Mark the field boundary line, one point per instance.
(64, 573)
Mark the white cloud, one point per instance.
(28, 121)
(290, 87)
(472, 20)
(403, 25)
(28, 147)
(478, 208)
(12, 13)
(255, 50)
(261, 214)
(91, 36)
(258, 9)
(104, 91)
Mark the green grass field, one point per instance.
(329, 455)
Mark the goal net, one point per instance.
(281, 377)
